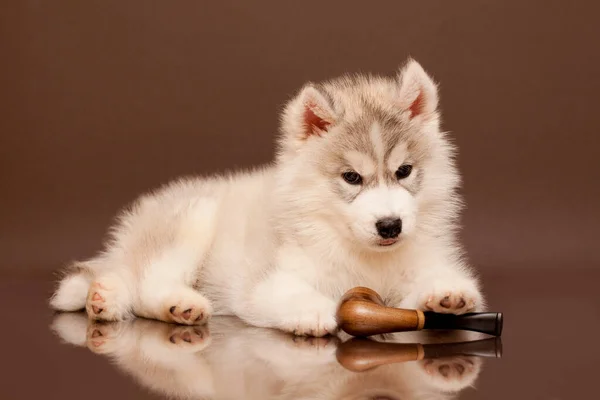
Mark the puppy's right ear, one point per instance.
(308, 114)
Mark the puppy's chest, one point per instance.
(390, 281)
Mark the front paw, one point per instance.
(314, 317)
(450, 297)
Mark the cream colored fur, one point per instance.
(236, 361)
(279, 245)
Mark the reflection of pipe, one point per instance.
(359, 354)
(362, 313)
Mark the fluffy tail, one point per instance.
(72, 290)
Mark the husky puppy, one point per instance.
(362, 191)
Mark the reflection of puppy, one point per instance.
(162, 357)
(238, 361)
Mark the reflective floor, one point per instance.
(549, 350)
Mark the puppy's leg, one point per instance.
(167, 282)
(166, 292)
(287, 302)
(285, 298)
(445, 288)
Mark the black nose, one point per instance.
(389, 228)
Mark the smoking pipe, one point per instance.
(361, 312)
(360, 354)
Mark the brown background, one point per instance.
(102, 100)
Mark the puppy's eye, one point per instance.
(352, 177)
(404, 171)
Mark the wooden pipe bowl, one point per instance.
(362, 313)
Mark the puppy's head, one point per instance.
(365, 156)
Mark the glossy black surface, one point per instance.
(549, 350)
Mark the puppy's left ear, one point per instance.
(308, 114)
(418, 93)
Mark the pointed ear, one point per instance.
(418, 93)
(308, 114)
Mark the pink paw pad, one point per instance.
(96, 300)
(449, 302)
(106, 301)
(186, 316)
